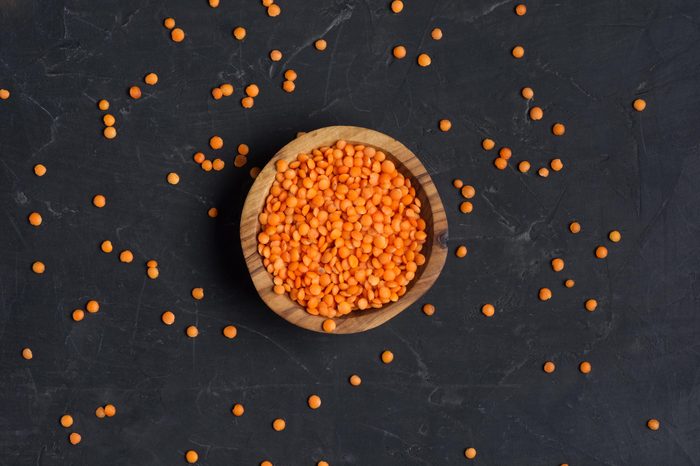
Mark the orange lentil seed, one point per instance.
(527, 93)
(320, 45)
(457, 183)
(536, 113)
(273, 10)
(39, 170)
(279, 424)
(436, 34)
(106, 246)
(109, 132)
(328, 325)
(549, 367)
(243, 149)
(198, 293)
(428, 309)
(252, 90)
(314, 401)
(135, 92)
(615, 236)
(275, 55)
(461, 251)
(488, 144)
(169, 23)
(126, 256)
(99, 201)
(488, 310)
(110, 410)
(239, 33)
(213, 212)
(653, 424)
(500, 163)
(177, 35)
(216, 142)
(524, 166)
(78, 315)
(288, 86)
(34, 219)
(108, 120)
(558, 129)
(247, 102)
(468, 191)
(584, 367)
(103, 105)
(226, 89)
(4, 94)
(424, 60)
(75, 438)
(240, 161)
(557, 264)
(574, 227)
(27, 353)
(198, 158)
(543, 172)
(399, 52)
(445, 125)
(38, 267)
(230, 332)
(591, 305)
(387, 357)
(192, 331)
(355, 380)
(466, 207)
(151, 79)
(545, 294)
(152, 272)
(214, 3)
(639, 105)
(470, 453)
(92, 306)
(218, 165)
(100, 412)
(601, 252)
(569, 283)
(397, 6)
(191, 456)
(518, 51)
(556, 165)
(173, 178)
(238, 410)
(217, 93)
(520, 9)
(66, 420)
(168, 318)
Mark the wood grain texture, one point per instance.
(432, 211)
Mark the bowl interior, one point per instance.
(432, 212)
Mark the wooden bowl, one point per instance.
(432, 211)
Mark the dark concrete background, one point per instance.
(459, 379)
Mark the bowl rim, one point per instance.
(356, 321)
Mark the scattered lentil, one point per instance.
(468, 191)
(152, 272)
(488, 310)
(505, 153)
(108, 120)
(75, 438)
(247, 102)
(488, 144)
(557, 264)
(639, 105)
(275, 55)
(279, 424)
(387, 357)
(151, 79)
(500, 163)
(569, 283)
(135, 92)
(230, 332)
(558, 129)
(191, 456)
(4, 94)
(126, 256)
(615, 236)
(591, 305)
(273, 10)
(100, 412)
(288, 86)
(524, 166)
(168, 318)
(527, 93)
(239, 33)
(27, 353)
(428, 309)
(218, 164)
(109, 132)
(78, 315)
(653, 424)
(436, 34)
(461, 251)
(35, 219)
(536, 113)
(355, 380)
(574, 227)
(238, 410)
(399, 52)
(110, 410)
(543, 172)
(424, 60)
(169, 23)
(470, 453)
(38, 267)
(549, 367)
(314, 401)
(99, 201)
(216, 93)
(66, 420)
(601, 252)
(106, 246)
(177, 35)
(520, 9)
(556, 165)
(226, 89)
(457, 183)
(397, 6)
(39, 170)
(545, 294)
(192, 331)
(328, 325)
(92, 306)
(445, 125)
(518, 51)
(584, 367)
(103, 105)
(215, 142)
(320, 45)
(466, 207)
(213, 212)
(198, 293)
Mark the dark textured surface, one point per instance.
(459, 379)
